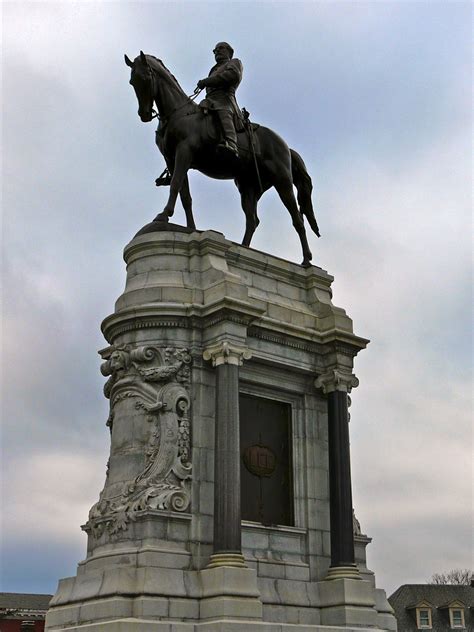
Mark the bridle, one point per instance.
(153, 87)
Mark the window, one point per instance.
(457, 617)
(423, 618)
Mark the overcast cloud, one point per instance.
(376, 98)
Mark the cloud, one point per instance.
(52, 387)
(373, 95)
(52, 489)
(49, 495)
(413, 551)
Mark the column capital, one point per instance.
(336, 380)
(226, 353)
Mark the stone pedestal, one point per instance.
(203, 321)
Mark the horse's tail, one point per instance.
(304, 187)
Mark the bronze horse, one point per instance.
(187, 137)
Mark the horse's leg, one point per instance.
(249, 199)
(187, 203)
(181, 165)
(285, 191)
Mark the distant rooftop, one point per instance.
(24, 601)
(438, 596)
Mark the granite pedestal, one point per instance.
(201, 322)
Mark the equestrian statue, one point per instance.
(218, 139)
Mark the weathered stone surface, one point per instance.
(236, 582)
(148, 625)
(150, 534)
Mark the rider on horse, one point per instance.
(221, 84)
(185, 139)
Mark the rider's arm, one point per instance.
(230, 75)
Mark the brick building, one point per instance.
(23, 612)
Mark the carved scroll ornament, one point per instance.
(157, 379)
(336, 380)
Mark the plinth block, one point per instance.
(226, 580)
(347, 602)
(230, 592)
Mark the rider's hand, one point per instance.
(201, 84)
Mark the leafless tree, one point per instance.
(456, 576)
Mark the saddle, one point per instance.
(243, 139)
(243, 126)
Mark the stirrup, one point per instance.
(164, 179)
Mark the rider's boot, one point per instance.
(229, 144)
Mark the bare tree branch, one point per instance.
(456, 576)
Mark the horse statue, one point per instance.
(187, 137)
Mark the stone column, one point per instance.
(337, 384)
(227, 515)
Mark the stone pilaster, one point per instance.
(337, 384)
(227, 358)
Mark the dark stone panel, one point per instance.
(265, 467)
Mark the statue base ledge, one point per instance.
(162, 226)
(223, 625)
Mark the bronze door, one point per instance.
(265, 468)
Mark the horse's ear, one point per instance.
(128, 62)
(143, 58)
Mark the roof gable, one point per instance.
(423, 603)
(455, 603)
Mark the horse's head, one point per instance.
(143, 81)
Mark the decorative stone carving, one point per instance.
(226, 353)
(157, 379)
(336, 380)
(355, 524)
(259, 460)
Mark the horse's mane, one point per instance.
(168, 75)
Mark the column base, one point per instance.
(233, 560)
(230, 592)
(347, 602)
(343, 572)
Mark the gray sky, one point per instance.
(376, 98)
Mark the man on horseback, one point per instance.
(183, 137)
(221, 84)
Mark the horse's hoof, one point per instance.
(306, 263)
(162, 217)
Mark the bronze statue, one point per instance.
(221, 84)
(188, 138)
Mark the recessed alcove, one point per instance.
(266, 461)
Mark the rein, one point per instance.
(165, 119)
